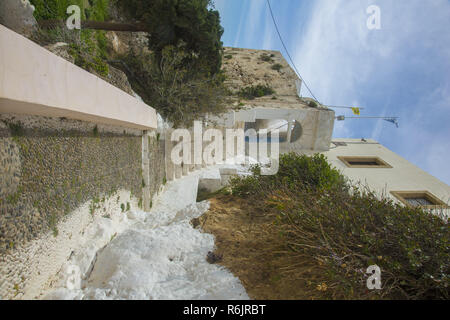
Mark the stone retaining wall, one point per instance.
(57, 177)
(51, 166)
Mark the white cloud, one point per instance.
(241, 23)
(335, 41)
(341, 59)
(269, 38)
(253, 21)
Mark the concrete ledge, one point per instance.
(35, 81)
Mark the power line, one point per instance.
(282, 42)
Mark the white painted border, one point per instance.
(37, 82)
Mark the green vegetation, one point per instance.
(14, 198)
(313, 104)
(55, 231)
(253, 92)
(181, 78)
(90, 52)
(192, 24)
(56, 9)
(88, 47)
(15, 128)
(16, 289)
(174, 88)
(204, 194)
(267, 58)
(346, 229)
(53, 221)
(94, 206)
(277, 67)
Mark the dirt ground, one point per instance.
(253, 250)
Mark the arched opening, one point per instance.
(297, 132)
(269, 124)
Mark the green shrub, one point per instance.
(174, 88)
(277, 67)
(193, 23)
(16, 129)
(312, 104)
(266, 58)
(253, 92)
(57, 9)
(348, 229)
(87, 47)
(349, 233)
(295, 171)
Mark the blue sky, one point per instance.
(401, 70)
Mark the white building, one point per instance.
(386, 173)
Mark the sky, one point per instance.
(401, 69)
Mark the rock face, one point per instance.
(123, 43)
(61, 49)
(119, 79)
(249, 67)
(17, 15)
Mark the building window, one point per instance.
(423, 199)
(364, 162)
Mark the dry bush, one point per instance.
(349, 229)
(172, 86)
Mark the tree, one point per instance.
(166, 83)
(194, 23)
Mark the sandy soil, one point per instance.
(253, 250)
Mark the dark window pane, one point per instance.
(363, 163)
(418, 202)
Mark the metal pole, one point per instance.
(371, 117)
